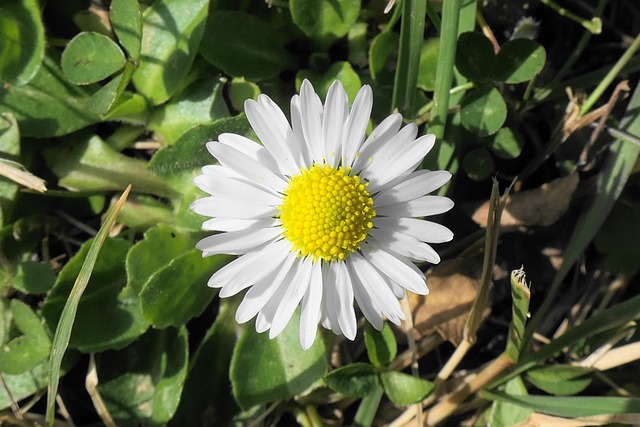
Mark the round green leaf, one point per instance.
(478, 164)
(126, 21)
(483, 111)
(404, 389)
(381, 51)
(91, 57)
(240, 90)
(26, 351)
(356, 379)
(381, 345)
(324, 21)
(34, 278)
(21, 41)
(519, 61)
(257, 54)
(428, 64)
(474, 56)
(322, 81)
(265, 370)
(505, 144)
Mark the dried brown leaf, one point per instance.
(453, 287)
(541, 206)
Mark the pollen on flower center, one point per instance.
(326, 213)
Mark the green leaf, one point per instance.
(142, 212)
(48, 105)
(506, 144)
(474, 56)
(483, 111)
(381, 345)
(428, 64)
(105, 98)
(161, 245)
(190, 152)
(240, 90)
(621, 225)
(171, 35)
(324, 21)
(560, 380)
(126, 21)
(256, 54)
(322, 81)
(264, 370)
(381, 51)
(521, 296)
(478, 164)
(88, 164)
(201, 102)
(27, 351)
(355, 379)
(91, 57)
(21, 41)
(141, 384)
(570, 407)
(179, 292)
(404, 389)
(9, 150)
(129, 107)
(507, 414)
(34, 278)
(211, 361)
(23, 385)
(101, 308)
(519, 60)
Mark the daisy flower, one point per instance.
(320, 216)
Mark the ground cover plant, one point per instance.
(529, 181)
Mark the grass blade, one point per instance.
(63, 330)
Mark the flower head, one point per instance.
(320, 216)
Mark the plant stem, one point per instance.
(368, 408)
(612, 74)
(594, 25)
(444, 71)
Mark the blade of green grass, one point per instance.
(63, 330)
(610, 182)
(411, 38)
(444, 71)
(520, 309)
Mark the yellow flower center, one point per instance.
(326, 213)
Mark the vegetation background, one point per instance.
(105, 317)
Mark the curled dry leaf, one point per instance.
(541, 206)
(453, 286)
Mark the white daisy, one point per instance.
(319, 215)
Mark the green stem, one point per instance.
(444, 71)
(612, 74)
(433, 16)
(368, 408)
(594, 25)
(411, 38)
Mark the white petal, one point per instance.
(376, 287)
(397, 290)
(399, 270)
(249, 268)
(344, 295)
(217, 207)
(425, 231)
(417, 184)
(381, 157)
(249, 147)
(291, 298)
(232, 224)
(336, 108)
(311, 115)
(382, 134)
(422, 206)
(246, 166)
(356, 125)
(405, 245)
(237, 242)
(365, 302)
(269, 123)
(330, 303)
(310, 309)
(234, 189)
(260, 293)
(296, 123)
